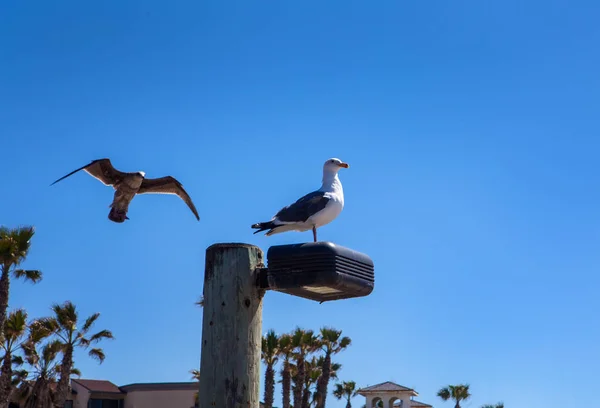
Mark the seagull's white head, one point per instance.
(141, 173)
(334, 165)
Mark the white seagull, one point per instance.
(314, 209)
(128, 185)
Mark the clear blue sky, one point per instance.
(471, 128)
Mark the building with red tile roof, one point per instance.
(391, 395)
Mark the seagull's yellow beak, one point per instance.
(344, 165)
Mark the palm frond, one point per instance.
(345, 342)
(335, 368)
(38, 331)
(498, 405)
(50, 350)
(45, 327)
(66, 315)
(461, 392)
(345, 389)
(17, 361)
(444, 393)
(457, 393)
(23, 236)
(19, 376)
(330, 334)
(97, 354)
(15, 244)
(103, 334)
(270, 347)
(89, 322)
(195, 374)
(15, 325)
(28, 275)
(338, 391)
(332, 341)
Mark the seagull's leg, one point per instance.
(314, 232)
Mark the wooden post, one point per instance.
(231, 328)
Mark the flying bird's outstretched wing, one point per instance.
(167, 185)
(100, 169)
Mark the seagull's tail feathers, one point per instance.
(280, 228)
(272, 227)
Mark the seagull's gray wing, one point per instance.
(167, 185)
(304, 208)
(100, 169)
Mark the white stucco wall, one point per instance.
(387, 396)
(80, 399)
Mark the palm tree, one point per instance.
(457, 393)
(195, 374)
(64, 325)
(200, 302)
(312, 372)
(15, 327)
(498, 405)
(332, 342)
(269, 353)
(43, 362)
(285, 351)
(345, 390)
(14, 247)
(303, 343)
(335, 367)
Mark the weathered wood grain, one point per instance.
(231, 328)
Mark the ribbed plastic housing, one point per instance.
(320, 271)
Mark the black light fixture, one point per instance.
(320, 271)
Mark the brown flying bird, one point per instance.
(127, 185)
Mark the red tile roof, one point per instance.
(98, 385)
(414, 403)
(387, 386)
(167, 386)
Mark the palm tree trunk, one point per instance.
(286, 384)
(65, 375)
(348, 404)
(4, 288)
(323, 382)
(6, 380)
(306, 397)
(299, 382)
(38, 395)
(269, 386)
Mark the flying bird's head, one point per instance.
(334, 165)
(141, 173)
